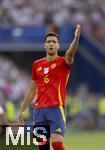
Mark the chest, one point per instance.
(46, 69)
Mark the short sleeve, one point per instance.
(33, 72)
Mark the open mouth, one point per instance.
(51, 48)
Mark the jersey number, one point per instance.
(46, 79)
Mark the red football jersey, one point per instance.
(51, 79)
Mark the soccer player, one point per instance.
(49, 79)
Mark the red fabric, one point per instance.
(58, 146)
(51, 78)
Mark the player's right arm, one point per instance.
(28, 99)
(69, 55)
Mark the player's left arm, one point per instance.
(69, 55)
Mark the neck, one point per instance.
(51, 57)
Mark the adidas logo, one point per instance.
(58, 130)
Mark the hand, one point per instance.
(20, 119)
(77, 31)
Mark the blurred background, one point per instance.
(23, 25)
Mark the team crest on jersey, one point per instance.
(39, 69)
(46, 70)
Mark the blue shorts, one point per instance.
(55, 117)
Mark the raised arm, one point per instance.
(28, 99)
(69, 55)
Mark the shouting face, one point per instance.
(51, 45)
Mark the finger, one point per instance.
(20, 122)
(78, 27)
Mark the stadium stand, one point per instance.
(62, 12)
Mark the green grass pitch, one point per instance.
(89, 140)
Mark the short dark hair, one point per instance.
(52, 34)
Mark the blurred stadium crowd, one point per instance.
(84, 110)
(13, 85)
(88, 13)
